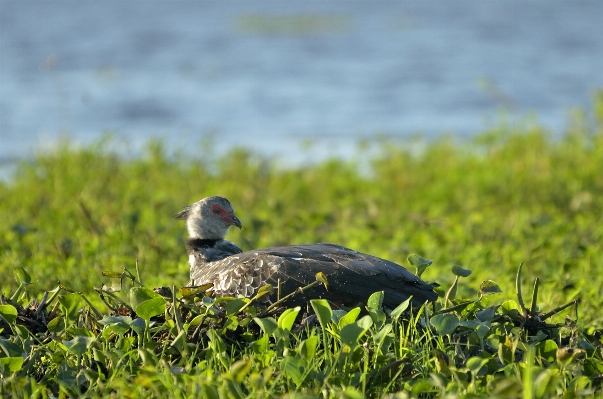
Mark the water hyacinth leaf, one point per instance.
(268, 324)
(139, 295)
(261, 345)
(445, 323)
(307, 348)
(138, 325)
(375, 301)
(56, 325)
(235, 305)
(239, 370)
(72, 304)
(548, 350)
(118, 324)
(287, 318)
(323, 311)
(487, 314)
(489, 287)
(9, 313)
(419, 263)
(401, 308)
(11, 364)
(10, 348)
(150, 308)
(510, 308)
(22, 276)
(349, 317)
(460, 271)
(79, 344)
(351, 334)
(337, 315)
(294, 369)
(191, 292)
(475, 364)
(264, 290)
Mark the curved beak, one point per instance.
(235, 221)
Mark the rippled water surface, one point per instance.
(271, 75)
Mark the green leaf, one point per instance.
(349, 317)
(487, 314)
(56, 325)
(240, 369)
(79, 345)
(9, 313)
(474, 364)
(419, 263)
(261, 345)
(287, 318)
(548, 350)
(375, 301)
(461, 272)
(22, 276)
(445, 323)
(268, 325)
(323, 311)
(263, 290)
(72, 304)
(139, 295)
(401, 308)
(294, 369)
(351, 333)
(150, 308)
(489, 287)
(11, 364)
(307, 348)
(191, 292)
(117, 324)
(510, 308)
(235, 305)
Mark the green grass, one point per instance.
(512, 195)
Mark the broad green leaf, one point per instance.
(139, 295)
(150, 308)
(261, 345)
(191, 292)
(235, 305)
(401, 308)
(11, 364)
(375, 301)
(268, 324)
(461, 272)
(138, 325)
(489, 287)
(72, 304)
(117, 324)
(10, 348)
(22, 276)
(419, 263)
(349, 317)
(9, 313)
(547, 349)
(240, 369)
(323, 311)
(307, 348)
(294, 369)
(510, 308)
(487, 314)
(263, 290)
(287, 318)
(474, 364)
(351, 333)
(56, 325)
(79, 345)
(445, 323)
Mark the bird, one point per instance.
(351, 276)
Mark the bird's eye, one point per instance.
(215, 209)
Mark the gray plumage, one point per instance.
(352, 276)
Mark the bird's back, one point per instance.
(352, 276)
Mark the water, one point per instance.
(271, 75)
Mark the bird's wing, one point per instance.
(352, 275)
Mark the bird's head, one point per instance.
(209, 218)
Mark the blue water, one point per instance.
(271, 75)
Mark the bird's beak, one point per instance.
(235, 221)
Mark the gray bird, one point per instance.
(352, 276)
